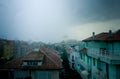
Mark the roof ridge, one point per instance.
(53, 61)
(55, 53)
(50, 59)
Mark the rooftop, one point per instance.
(105, 36)
(50, 60)
(84, 50)
(33, 56)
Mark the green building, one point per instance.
(100, 56)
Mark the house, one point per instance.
(100, 56)
(44, 64)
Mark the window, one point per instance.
(103, 51)
(32, 63)
(93, 61)
(39, 63)
(24, 63)
(29, 63)
(73, 65)
(72, 58)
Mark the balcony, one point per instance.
(99, 75)
(108, 56)
(81, 62)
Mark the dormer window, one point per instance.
(31, 59)
(32, 63)
(39, 63)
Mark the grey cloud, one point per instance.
(50, 20)
(84, 11)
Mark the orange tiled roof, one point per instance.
(84, 50)
(105, 37)
(50, 61)
(33, 56)
(51, 55)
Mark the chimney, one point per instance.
(110, 32)
(93, 35)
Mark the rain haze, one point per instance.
(57, 20)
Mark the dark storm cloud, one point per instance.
(51, 20)
(94, 10)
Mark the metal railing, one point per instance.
(81, 62)
(112, 54)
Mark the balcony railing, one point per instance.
(100, 75)
(86, 66)
(113, 55)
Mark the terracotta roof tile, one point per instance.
(84, 50)
(105, 37)
(50, 61)
(99, 37)
(33, 56)
(51, 55)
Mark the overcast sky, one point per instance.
(57, 20)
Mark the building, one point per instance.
(44, 64)
(6, 49)
(72, 57)
(21, 48)
(100, 56)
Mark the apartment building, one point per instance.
(100, 56)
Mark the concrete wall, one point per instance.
(118, 72)
(117, 48)
(97, 44)
(112, 72)
(21, 73)
(52, 74)
(55, 75)
(42, 75)
(117, 45)
(46, 75)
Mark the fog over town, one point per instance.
(57, 20)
